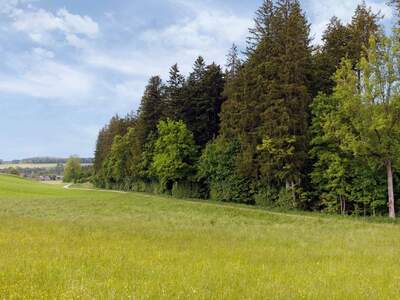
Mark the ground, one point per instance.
(58, 243)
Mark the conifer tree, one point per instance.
(233, 62)
(203, 100)
(175, 94)
(327, 58)
(116, 126)
(151, 108)
(268, 102)
(262, 26)
(364, 24)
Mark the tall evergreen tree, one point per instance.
(151, 108)
(343, 41)
(116, 126)
(327, 58)
(262, 26)
(204, 97)
(364, 24)
(175, 94)
(268, 106)
(233, 62)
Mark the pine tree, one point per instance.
(233, 62)
(268, 102)
(151, 108)
(364, 24)
(116, 126)
(285, 119)
(175, 94)
(203, 100)
(262, 26)
(199, 68)
(327, 58)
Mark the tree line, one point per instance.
(285, 124)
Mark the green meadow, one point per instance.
(58, 243)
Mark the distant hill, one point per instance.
(45, 160)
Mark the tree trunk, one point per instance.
(392, 213)
(293, 194)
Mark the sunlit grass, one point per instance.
(73, 244)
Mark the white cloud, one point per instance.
(206, 30)
(42, 53)
(41, 25)
(78, 24)
(46, 79)
(130, 64)
(320, 12)
(75, 41)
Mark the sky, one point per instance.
(68, 66)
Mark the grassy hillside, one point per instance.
(63, 244)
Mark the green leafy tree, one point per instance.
(72, 170)
(331, 171)
(367, 120)
(217, 167)
(105, 139)
(175, 153)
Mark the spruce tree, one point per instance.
(364, 24)
(262, 26)
(175, 94)
(151, 108)
(336, 39)
(203, 100)
(233, 62)
(116, 126)
(285, 120)
(268, 102)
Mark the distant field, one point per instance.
(30, 166)
(74, 244)
(27, 166)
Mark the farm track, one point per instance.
(233, 206)
(68, 187)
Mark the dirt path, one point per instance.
(68, 187)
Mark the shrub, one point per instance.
(186, 190)
(217, 168)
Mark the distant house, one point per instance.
(45, 178)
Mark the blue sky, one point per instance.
(66, 67)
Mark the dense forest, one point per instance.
(286, 123)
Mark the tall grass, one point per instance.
(74, 244)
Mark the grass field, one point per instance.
(74, 244)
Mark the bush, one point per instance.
(217, 167)
(186, 190)
(232, 189)
(266, 196)
(285, 199)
